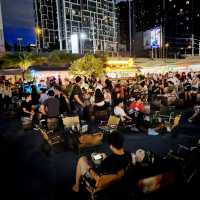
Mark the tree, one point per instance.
(87, 66)
(9, 60)
(60, 58)
(25, 60)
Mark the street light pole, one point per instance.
(130, 28)
(166, 45)
(38, 32)
(20, 45)
(93, 37)
(199, 48)
(192, 44)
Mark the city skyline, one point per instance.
(19, 21)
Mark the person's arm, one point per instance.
(76, 97)
(42, 109)
(26, 111)
(66, 98)
(124, 115)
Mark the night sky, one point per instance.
(18, 20)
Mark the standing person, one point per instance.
(77, 98)
(7, 95)
(1, 96)
(187, 89)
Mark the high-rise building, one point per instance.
(2, 42)
(46, 24)
(179, 20)
(77, 26)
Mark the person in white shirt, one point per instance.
(43, 96)
(119, 111)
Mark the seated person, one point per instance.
(195, 116)
(119, 111)
(99, 102)
(50, 106)
(27, 107)
(137, 105)
(117, 160)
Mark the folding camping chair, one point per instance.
(112, 124)
(70, 122)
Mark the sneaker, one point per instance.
(152, 132)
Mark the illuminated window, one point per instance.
(187, 2)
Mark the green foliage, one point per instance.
(21, 60)
(60, 58)
(25, 60)
(9, 61)
(87, 66)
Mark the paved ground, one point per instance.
(28, 173)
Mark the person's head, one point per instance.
(43, 90)
(138, 99)
(140, 155)
(51, 93)
(28, 97)
(98, 96)
(120, 102)
(115, 141)
(78, 80)
(66, 82)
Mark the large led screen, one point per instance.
(152, 38)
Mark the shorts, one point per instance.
(83, 168)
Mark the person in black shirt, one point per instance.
(77, 99)
(117, 160)
(51, 106)
(27, 107)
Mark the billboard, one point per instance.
(152, 38)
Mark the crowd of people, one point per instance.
(93, 99)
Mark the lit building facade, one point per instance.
(179, 19)
(77, 26)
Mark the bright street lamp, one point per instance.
(83, 36)
(38, 32)
(20, 39)
(166, 46)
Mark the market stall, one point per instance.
(121, 68)
(11, 74)
(41, 73)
